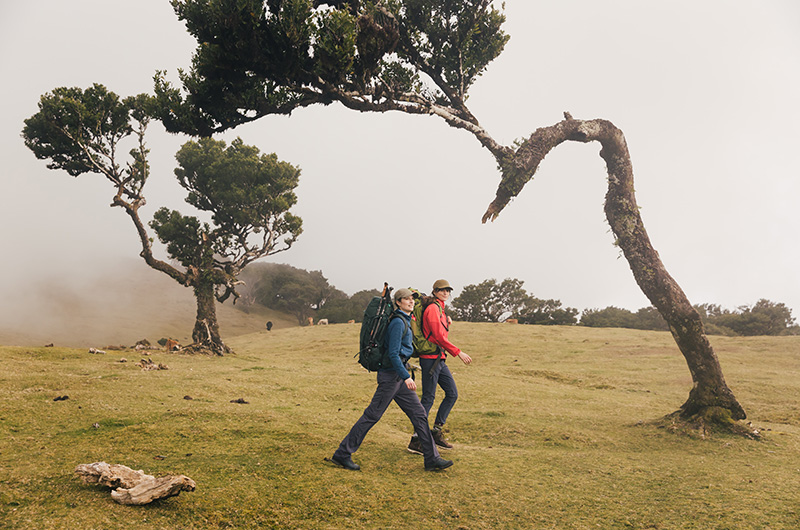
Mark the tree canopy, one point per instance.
(490, 301)
(81, 131)
(298, 292)
(248, 194)
(547, 313)
(256, 58)
(762, 318)
(260, 57)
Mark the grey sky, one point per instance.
(705, 92)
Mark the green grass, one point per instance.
(553, 430)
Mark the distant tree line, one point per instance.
(615, 317)
(305, 294)
(762, 318)
(301, 293)
(490, 301)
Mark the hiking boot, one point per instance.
(414, 446)
(438, 437)
(345, 462)
(438, 464)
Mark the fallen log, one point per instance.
(133, 487)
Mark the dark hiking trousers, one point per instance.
(431, 378)
(390, 387)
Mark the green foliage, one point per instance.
(80, 131)
(70, 118)
(650, 318)
(335, 52)
(610, 317)
(763, 318)
(255, 58)
(185, 238)
(399, 78)
(456, 39)
(301, 293)
(490, 301)
(547, 313)
(339, 310)
(614, 317)
(248, 57)
(247, 193)
(285, 288)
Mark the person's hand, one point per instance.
(466, 359)
(449, 321)
(410, 384)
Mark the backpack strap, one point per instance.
(440, 358)
(406, 327)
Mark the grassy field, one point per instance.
(554, 429)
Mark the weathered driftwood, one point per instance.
(133, 487)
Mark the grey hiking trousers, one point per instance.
(390, 388)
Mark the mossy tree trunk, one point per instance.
(206, 328)
(709, 390)
(205, 334)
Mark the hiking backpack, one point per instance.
(421, 343)
(377, 315)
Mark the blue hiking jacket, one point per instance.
(399, 345)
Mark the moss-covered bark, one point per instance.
(709, 390)
(206, 328)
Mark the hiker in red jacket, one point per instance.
(435, 372)
(394, 384)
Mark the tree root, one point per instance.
(204, 348)
(198, 348)
(706, 423)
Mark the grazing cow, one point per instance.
(351, 321)
(310, 321)
(512, 321)
(172, 345)
(322, 322)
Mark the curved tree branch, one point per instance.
(132, 209)
(411, 103)
(710, 389)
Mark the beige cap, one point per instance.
(441, 284)
(402, 293)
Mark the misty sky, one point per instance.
(707, 94)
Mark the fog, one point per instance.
(115, 303)
(705, 92)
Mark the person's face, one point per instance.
(406, 304)
(442, 294)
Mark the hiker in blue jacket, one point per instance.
(394, 383)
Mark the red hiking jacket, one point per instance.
(434, 322)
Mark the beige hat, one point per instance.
(441, 284)
(402, 293)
